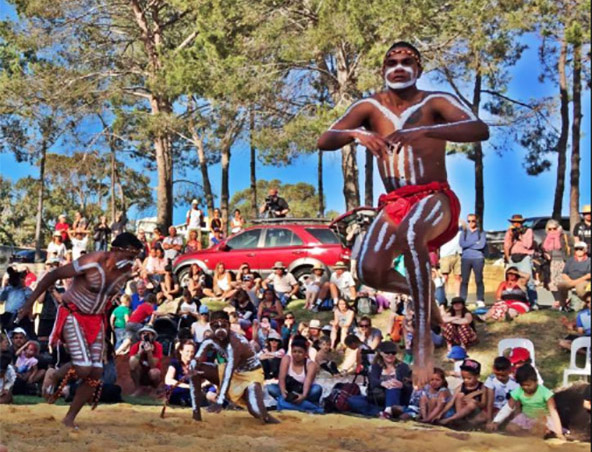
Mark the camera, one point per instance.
(516, 233)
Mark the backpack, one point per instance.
(397, 329)
(326, 305)
(336, 401)
(366, 306)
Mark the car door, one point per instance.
(240, 248)
(280, 244)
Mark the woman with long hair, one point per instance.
(222, 282)
(511, 296)
(458, 327)
(556, 250)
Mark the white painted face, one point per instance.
(400, 85)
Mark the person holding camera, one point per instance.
(144, 362)
(518, 251)
(274, 206)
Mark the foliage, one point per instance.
(302, 198)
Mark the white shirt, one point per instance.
(55, 248)
(172, 253)
(451, 248)
(282, 283)
(343, 282)
(194, 216)
(78, 246)
(198, 330)
(500, 390)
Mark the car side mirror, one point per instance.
(224, 247)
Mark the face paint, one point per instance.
(400, 85)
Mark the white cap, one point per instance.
(18, 330)
(581, 245)
(195, 201)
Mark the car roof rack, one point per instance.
(273, 221)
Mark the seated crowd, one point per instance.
(158, 323)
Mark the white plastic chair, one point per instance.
(514, 342)
(573, 369)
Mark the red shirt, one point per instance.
(63, 228)
(30, 279)
(156, 353)
(141, 313)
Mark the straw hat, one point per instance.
(516, 218)
(318, 266)
(586, 209)
(279, 265)
(340, 265)
(315, 323)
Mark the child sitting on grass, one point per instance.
(324, 358)
(535, 404)
(26, 363)
(470, 399)
(357, 356)
(499, 385)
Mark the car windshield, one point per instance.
(325, 236)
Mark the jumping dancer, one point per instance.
(240, 379)
(80, 322)
(407, 129)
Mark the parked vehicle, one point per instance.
(27, 257)
(298, 244)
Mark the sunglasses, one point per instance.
(289, 317)
(364, 325)
(222, 324)
(389, 353)
(472, 221)
(580, 248)
(552, 229)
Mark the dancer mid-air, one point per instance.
(80, 323)
(407, 130)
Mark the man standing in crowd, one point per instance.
(195, 219)
(172, 245)
(583, 230)
(518, 251)
(274, 206)
(473, 243)
(576, 274)
(450, 263)
(101, 235)
(62, 227)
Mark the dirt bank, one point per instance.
(138, 428)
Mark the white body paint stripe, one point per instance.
(381, 236)
(437, 220)
(227, 374)
(252, 395)
(434, 211)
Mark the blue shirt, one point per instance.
(473, 244)
(583, 320)
(136, 301)
(14, 297)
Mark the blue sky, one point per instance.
(508, 189)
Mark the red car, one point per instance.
(298, 246)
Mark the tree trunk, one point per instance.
(321, 186)
(164, 190)
(203, 166)
(113, 162)
(562, 142)
(574, 195)
(478, 153)
(40, 198)
(224, 191)
(369, 179)
(349, 168)
(253, 165)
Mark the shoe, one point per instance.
(480, 303)
(535, 307)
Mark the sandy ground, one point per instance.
(125, 427)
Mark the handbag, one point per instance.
(336, 401)
(518, 257)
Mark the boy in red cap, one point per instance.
(519, 356)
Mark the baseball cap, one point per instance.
(581, 244)
(315, 323)
(203, 309)
(18, 330)
(472, 366)
(519, 354)
(457, 353)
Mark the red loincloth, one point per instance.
(91, 324)
(399, 202)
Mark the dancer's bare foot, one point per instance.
(68, 422)
(271, 420)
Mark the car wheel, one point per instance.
(183, 276)
(300, 274)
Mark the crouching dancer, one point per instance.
(80, 321)
(240, 379)
(407, 129)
